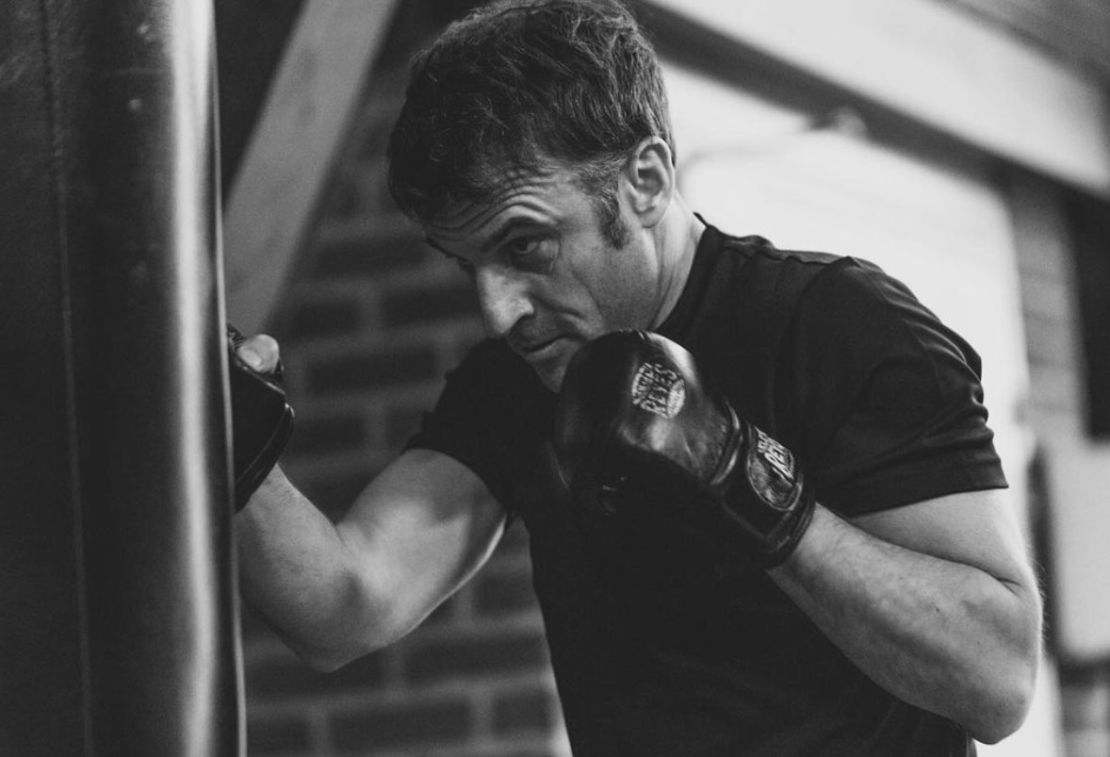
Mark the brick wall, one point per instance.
(368, 328)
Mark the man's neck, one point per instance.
(679, 236)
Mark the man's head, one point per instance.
(527, 85)
(534, 149)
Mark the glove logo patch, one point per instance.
(771, 473)
(777, 456)
(658, 389)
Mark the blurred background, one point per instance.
(964, 145)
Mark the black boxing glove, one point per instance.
(634, 422)
(261, 420)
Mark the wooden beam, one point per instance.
(251, 36)
(943, 68)
(1078, 30)
(311, 101)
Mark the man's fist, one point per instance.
(261, 419)
(634, 422)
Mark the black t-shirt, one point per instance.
(665, 639)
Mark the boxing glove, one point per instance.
(635, 427)
(261, 420)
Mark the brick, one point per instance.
(1087, 743)
(463, 338)
(402, 423)
(499, 593)
(1049, 342)
(1046, 298)
(1085, 696)
(444, 614)
(510, 751)
(374, 196)
(457, 657)
(390, 367)
(452, 301)
(410, 724)
(273, 736)
(287, 676)
(359, 192)
(376, 130)
(334, 494)
(523, 711)
(345, 259)
(341, 199)
(1055, 387)
(323, 319)
(318, 435)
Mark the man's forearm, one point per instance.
(295, 571)
(942, 635)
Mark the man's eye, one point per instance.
(531, 253)
(522, 246)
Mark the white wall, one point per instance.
(752, 168)
(938, 64)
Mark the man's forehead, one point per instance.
(461, 220)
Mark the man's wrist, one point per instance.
(765, 494)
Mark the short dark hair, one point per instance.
(522, 85)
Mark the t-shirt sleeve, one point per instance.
(892, 397)
(489, 417)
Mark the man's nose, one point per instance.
(503, 298)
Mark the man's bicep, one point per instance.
(977, 528)
(424, 525)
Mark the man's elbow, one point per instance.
(999, 712)
(327, 654)
(1007, 683)
(362, 623)
(995, 722)
(329, 660)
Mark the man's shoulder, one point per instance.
(760, 249)
(786, 271)
(770, 274)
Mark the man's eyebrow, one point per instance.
(510, 226)
(495, 239)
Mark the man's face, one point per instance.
(548, 279)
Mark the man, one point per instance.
(795, 542)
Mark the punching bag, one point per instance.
(118, 631)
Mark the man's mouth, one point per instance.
(534, 348)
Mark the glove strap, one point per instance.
(763, 492)
(262, 421)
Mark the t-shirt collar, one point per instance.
(679, 318)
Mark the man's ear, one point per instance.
(649, 181)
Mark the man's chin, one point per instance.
(550, 375)
(550, 364)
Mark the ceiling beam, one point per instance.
(311, 101)
(944, 70)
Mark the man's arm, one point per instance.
(935, 601)
(336, 592)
